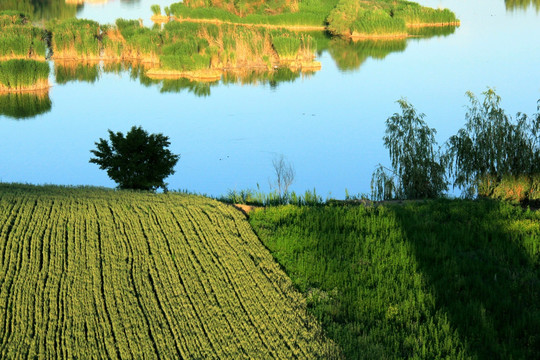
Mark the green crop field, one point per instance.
(91, 273)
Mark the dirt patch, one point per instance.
(246, 209)
(160, 19)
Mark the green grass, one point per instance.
(18, 38)
(310, 12)
(20, 74)
(97, 273)
(426, 280)
(343, 17)
(24, 105)
(76, 38)
(383, 17)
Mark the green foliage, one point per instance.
(156, 9)
(383, 17)
(24, 105)
(417, 172)
(286, 46)
(432, 280)
(492, 145)
(76, 38)
(19, 73)
(137, 160)
(18, 38)
(310, 12)
(273, 198)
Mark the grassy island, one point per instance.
(349, 18)
(181, 49)
(19, 39)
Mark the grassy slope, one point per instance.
(444, 279)
(90, 273)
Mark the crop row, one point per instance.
(101, 274)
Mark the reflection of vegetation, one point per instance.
(461, 278)
(522, 4)
(432, 31)
(22, 75)
(254, 77)
(75, 71)
(24, 105)
(198, 88)
(350, 55)
(41, 9)
(19, 38)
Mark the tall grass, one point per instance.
(156, 9)
(384, 17)
(24, 105)
(310, 12)
(431, 280)
(19, 74)
(413, 14)
(19, 39)
(76, 39)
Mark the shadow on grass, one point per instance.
(482, 262)
(428, 280)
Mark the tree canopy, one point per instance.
(138, 160)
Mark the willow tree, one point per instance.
(418, 171)
(492, 145)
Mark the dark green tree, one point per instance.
(418, 172)
(492, 145)
(138, 160)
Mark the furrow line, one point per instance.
(194, 213)
(102, 296)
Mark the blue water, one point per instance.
(328, 125)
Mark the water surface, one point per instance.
(329, 124)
